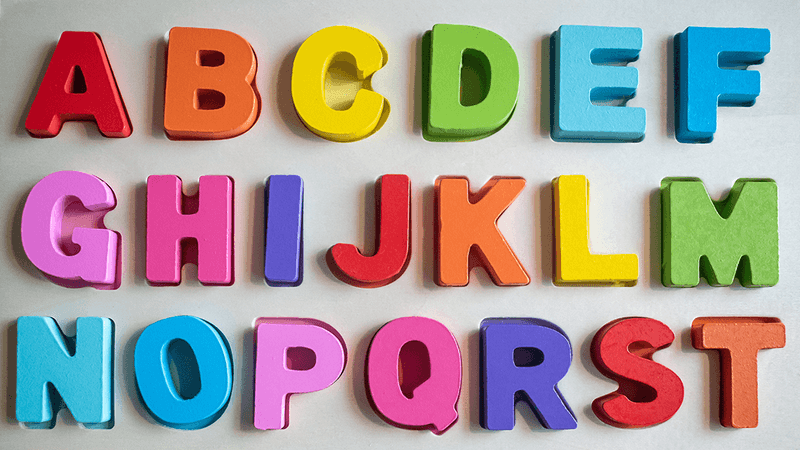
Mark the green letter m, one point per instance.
(734, 237)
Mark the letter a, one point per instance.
(78, 85)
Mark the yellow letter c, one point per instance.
(369, 110)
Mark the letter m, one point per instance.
(734, 237)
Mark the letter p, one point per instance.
(293, 356)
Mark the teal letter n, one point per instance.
(78, 369)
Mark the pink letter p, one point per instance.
(281, 372)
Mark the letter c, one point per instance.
(369, 110)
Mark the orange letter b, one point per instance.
(210, 87)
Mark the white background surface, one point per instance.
(761, 141)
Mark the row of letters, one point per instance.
(210, 83)
(63, 234)
(413, 370)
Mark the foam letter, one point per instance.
(279, 373)
(529, 356)
(200, 227)
(393, 202)
(456, 110)
(210, 87)
(734, 237)
(311, 64)
(738, 340)
(466, 220)
(194, 343)
(433, 374)
(704, 57)
(623, 351)
(575, 264)
(63, 234)
(78, 85)
(283, 203)
(583, 76)
(78, 369)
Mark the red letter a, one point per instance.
(78, 85)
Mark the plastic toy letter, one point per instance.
(78, 85)
(719, 240)
(277, 377)
(738, 340)
(79, 368)
(283, 260)
(529, 356)
(466, 220)
(457, 109)
(204, 361)
(202, 224)
(623, 351)
(704, 79)
(575, 265)
(311, 64)
(62, 231)
(393, 201)
(210, 86)
(582, 60)
(432, 404)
